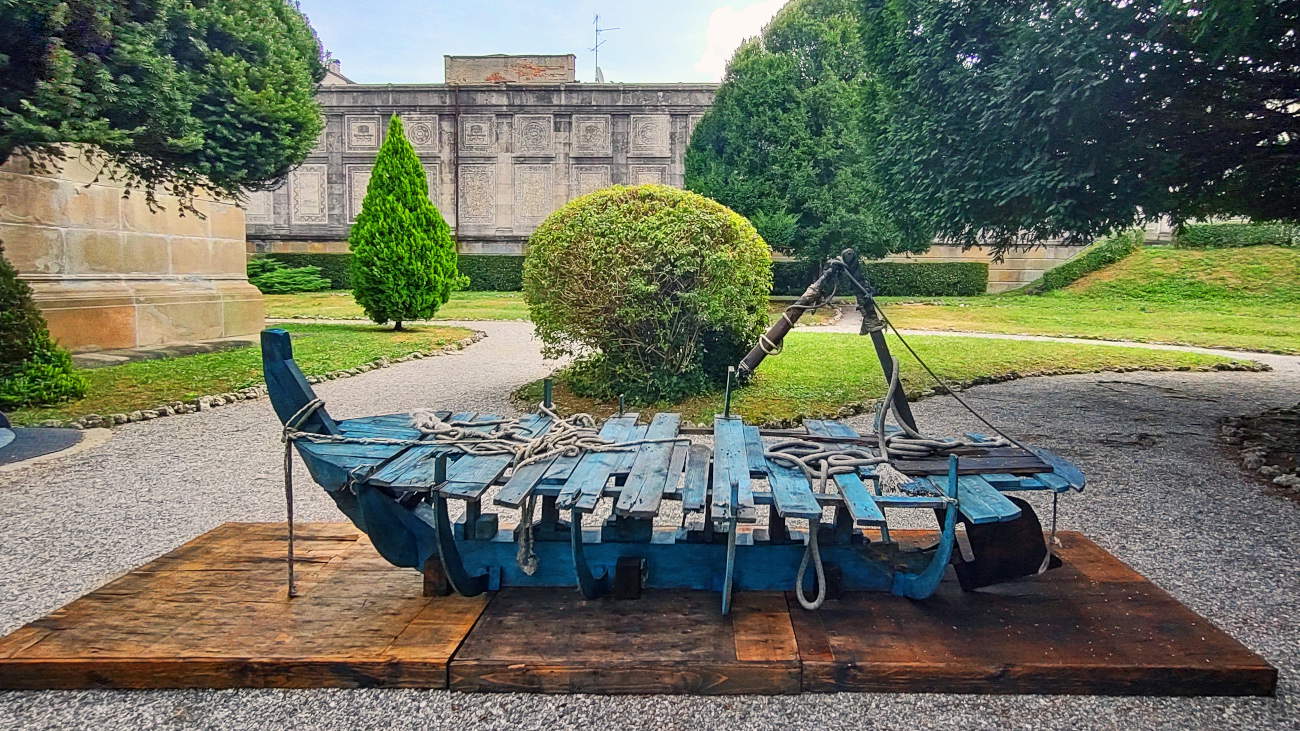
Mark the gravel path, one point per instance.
(1164, 496)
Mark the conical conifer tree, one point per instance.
(33, 369)
(403, 257)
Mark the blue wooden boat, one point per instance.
(394, 484)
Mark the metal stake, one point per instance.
(547, 387)
(726, 404)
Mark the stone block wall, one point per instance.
(107, 272)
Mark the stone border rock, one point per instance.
(212, 401)
(1263, 451)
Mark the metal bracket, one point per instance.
(729, 574)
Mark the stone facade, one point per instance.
(503, 69)
(109, 273)
(500, 157)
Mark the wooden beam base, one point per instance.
(214, 614)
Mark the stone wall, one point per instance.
(500, 158)
(109, 273)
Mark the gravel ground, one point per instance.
(1164, 496)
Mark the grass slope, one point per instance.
(800, 383)
(318, 349)
(1246, 298)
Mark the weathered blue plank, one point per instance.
(414, 468)
(861, 503)
(648, 475)
(1053, 482)
(677, 467)
(563, 467)
(695, 486)
(980, 502)
(790, 491)
(583, 488)
(1009, 483)
(470, 476)
(731, 466)
(754, 450)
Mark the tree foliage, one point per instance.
(793, 136)
(174, 94)
(403, 256)
(33, 369)
(1020, 120)
(654, 290)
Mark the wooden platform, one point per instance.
(213, 614)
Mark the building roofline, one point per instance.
(530, 86)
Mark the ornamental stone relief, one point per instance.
(422, 131)
(649, 137)
(534, 134)
(358, 181)
(431, 172)
(478, 194)
(591, 135)
(534, 193)
(260, 208)
(362, 133)
(588, 178)
(645, 174)
(307, 199)
(477, 133)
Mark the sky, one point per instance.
(403, 41)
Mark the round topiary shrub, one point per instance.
(653, 290)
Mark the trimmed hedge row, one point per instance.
(504, 273)
(894, 278)
(1230, 235)
(1100, 254)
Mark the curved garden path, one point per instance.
(1164, 496)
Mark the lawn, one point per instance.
(318, 349)
(1246, 298)
(797, 383)
(339, 305)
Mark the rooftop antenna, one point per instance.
(600, 77)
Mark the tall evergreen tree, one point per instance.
(403, 256)
(33, 369)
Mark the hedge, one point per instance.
(1227, 235)
(894, 278)
(504, 273)
(1100, 254)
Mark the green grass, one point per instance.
(1245, 298)
(798, 383)
(318, 349)
(339, 305)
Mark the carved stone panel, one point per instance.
(588, 178)
(307, 198)
(431, 172)
(591, 135)
(534, 134)
(643, 174)
(534, 195)
(477, 133)
(362, 133)
(478, 195)
(649, 137)
(358, 181)
(322, 143)
(422, 131)
(260, 209)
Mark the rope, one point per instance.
(774, 348)
(811, 554)
(290, 428)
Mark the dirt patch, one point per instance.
(1269, 444)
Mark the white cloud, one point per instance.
(728, 26)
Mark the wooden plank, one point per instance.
(648, 475)
(754, 450)
(412, 459)
(213, 614)
(677, 467)
(470, 476)
(695, 486)
(1091, 627)
(791, 492)
(664, 642)
(861, 503)
(731, 466)
(980, 502)
(583, 488)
